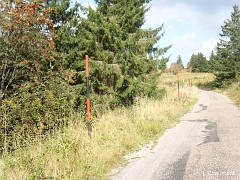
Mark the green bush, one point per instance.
(34, 111)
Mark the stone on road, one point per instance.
(205, 145)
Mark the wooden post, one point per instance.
(178, 77)
(88, 97)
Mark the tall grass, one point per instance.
(233, 91)
(72, 154)
(201, 80)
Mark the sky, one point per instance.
(191, 26)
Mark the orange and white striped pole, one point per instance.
(88, 97)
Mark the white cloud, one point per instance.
(87, 4)
(169, 28)
(178, 13)
(186, 42)
(191, 26)
(208, 46)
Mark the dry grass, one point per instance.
(233, 92)
(72, 154)
(202, 80)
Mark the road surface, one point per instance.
(205, 145)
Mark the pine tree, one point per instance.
(211, 64)
(227, 62)
(123, 57)
(199, 63)
(66, 18)
(179, 62)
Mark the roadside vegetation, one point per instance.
(42, 65)
(206, 81)
(72, 154)
(43, 128)
(233, 92)
(43, 132)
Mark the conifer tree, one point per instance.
(227, 61)
(123, 56)
(211, 64)
(66, 19)
(199, 63)
(179, 62)
(177, 66)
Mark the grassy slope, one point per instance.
(233, 92)
(73, 155)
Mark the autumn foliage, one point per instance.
(27, 49)
(33, 85)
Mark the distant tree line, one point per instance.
(198, 63)
(225, 61)
(175, 67)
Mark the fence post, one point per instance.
(178, 77)
(88, 98)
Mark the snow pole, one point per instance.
(88, 98)
(178, 77)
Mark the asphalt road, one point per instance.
(205, 145)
